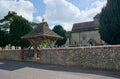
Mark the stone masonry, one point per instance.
(98, 57)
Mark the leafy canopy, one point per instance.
(110, 22)
(4, 38)
(60, 31)
(18, 27)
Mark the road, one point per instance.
(29, 70)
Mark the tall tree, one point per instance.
(110, 22)
(60, 31)
(18, 26)
(9, 17)
(4, 38)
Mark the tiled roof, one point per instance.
(42, 30)
(85, 26)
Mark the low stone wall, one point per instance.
(10, 54)
(100, 57)
(107, 57)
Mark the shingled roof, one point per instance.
(42, 30)
(85, 26)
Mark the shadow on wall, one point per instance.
(14, 65)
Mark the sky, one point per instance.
(55, 12)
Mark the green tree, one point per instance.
(110, 22)
(18, 26)
(9, 17)
(4, 38)
(60, 31)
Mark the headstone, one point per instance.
(32, 47)
(19, 48)
(6, 48)
(9, 46)
(13, 47)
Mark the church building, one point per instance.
(85, 34)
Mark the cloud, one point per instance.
(98, 3)
(66, 25)
(57, 9)
(94, 9)
(65, 13)
(22, 7)
(39, 18)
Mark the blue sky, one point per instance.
(63, 12)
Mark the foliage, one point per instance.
(18, 26)
(60, 31)
(33, 23)
(44, 43)
(110, 22)
(9, 17)
(4, 38)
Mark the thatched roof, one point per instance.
(42, 31)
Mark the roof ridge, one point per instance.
(84, 22)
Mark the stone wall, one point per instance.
(100, 57)
(89, 57)
(10, 54)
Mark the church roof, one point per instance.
(85, 26)
(42, 30)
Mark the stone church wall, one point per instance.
(82, 38)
